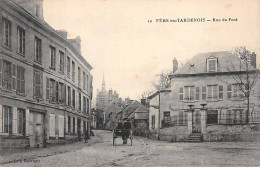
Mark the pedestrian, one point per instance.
(86, 136)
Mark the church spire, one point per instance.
(103, 83)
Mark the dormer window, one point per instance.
(37, 10)
(212, 64)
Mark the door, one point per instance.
(196, 122)
(36, 129)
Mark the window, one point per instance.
(61, 91)
(7, 119)
(21, 40)
(21, 122)
(212, 116)
(1, 71)
(37, 11)
(229, 91)
(61, 62)
(84, 105)
(73, 98)
(79, 106)
(84, 80)
(20, 80)
(68, 67)
(220, 92)
(87, 106)
(197, 94)
(239, 116)
(73, 71)
(181, 94)
(87, 82)
(237, 91)
(69, 96)
(69, 125)
(37, 81)
(229, 117)
(7, 32)
(153, 121)
(53, 57)
(166, 118)
(79, 76)
(204, 93)
(14, 77)
(38, 50)
(7, 75)
(212, 65)
(212, 92)
(52, 97)
(189, 93)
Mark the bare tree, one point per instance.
(163, 82)
(245, 75)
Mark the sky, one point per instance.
(117, 40)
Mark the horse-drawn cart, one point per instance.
(123, 130)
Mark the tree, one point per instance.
(245, 75)
(163, 82)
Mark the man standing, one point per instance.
(86, 136)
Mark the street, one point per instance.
(146, 152)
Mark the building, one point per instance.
(205, 99)
(104, 97)
(45, 83)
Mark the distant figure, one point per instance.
(92, 133)
(86, 136)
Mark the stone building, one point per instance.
(206, 100)
(45, 83)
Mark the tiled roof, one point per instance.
(198, 64)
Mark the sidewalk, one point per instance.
(33, 153)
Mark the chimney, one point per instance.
(143, 102)
(63, 33)
(76, 42)
(34, 7)
(174, 65)
(253, 59)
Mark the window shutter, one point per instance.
(1, 72)
(66, 124)
(14, 120)
(34, 80)
(47, 88)
(52, 125)
(76, 125)
(1, 119)
(64, 94)
(27, 122)
(61, 126)
(14, 77)
(41, 85)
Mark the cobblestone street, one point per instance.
(144, 152)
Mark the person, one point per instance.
(86, 136)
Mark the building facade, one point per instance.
(45, 83)
(206, 99)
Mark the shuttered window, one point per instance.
(68, 67)
(38, 50)
(197, 94)
(7, 120)
(37, 84)
(220, 92)
(84, 80)
(181, 94)
(21, 40)
(13, 77)
(61, 62)
(7, 32)
(21, 122)
(79, 76)
(53, 57)
(20, 89)
(1, 71)
(73, 71)
(52, 125)
(7, 75)
(69, 96)
(47, 88)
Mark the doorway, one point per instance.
(36, 134)
(79, 128)
(196, 122)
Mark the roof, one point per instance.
(127, 111)
(140, 113)
(49, 29)
(227, 62)
(113, 107)
(159, 91)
